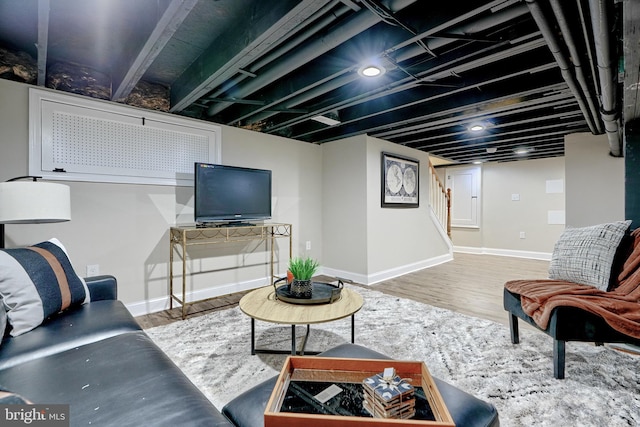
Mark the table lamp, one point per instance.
(32, 202)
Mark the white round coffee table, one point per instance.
(262, 304)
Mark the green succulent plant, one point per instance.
(303, 269)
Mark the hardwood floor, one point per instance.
(470, 284)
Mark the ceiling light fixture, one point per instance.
(492, 150)
(522, 150)
(326, 120)
(371, 70)
(477, 127)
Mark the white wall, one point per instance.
(124, 228)
(530, 214)
(363, 241)
(595, 181)
(593, 193)
(400, 240)
(503, 219)
(344, 207)
(330, 193)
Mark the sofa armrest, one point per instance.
(102, 287)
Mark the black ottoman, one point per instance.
(247, 410)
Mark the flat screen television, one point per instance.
(231, 195)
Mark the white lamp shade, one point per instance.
(29, 202)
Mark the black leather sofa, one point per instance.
(97, 359)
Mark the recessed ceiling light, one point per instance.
(477, 127)
(492, 150)
(371, 70)
(477, 162)
(522, 150)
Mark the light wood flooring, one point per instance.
(470, 284)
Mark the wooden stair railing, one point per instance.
(440, 200)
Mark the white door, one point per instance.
(465, 196)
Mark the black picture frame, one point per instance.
(400, 181)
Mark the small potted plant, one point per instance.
(302, 271)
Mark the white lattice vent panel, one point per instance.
(117, 146)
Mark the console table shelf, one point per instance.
(183, 237)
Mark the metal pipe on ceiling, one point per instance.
(409, 82)
(435, 125)
(567, 34)
(358, 23)
(563, 63)
(555, 92)
(475, 26)
(600, 23)
(306, 29)
(468, 28)
(586, 35)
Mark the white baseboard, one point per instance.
(373, 278)
(162, 303)
(544, 256)
(344, 275)
(159, 304)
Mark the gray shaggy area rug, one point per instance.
(601, 388)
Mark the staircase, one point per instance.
(440, 200)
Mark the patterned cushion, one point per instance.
(37, 282)
(585, 255)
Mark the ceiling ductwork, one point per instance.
(558, 50)
(609, 109)
(574, 74)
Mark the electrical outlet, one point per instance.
(93, 270)
(523, 235)
(308, 245)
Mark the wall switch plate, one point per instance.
(93, 270)
(515, 197)
(308, 245)
(523, 235)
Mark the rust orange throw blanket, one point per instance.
(620, 308)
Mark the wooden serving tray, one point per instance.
(343, 370)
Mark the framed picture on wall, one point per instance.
(400, 178)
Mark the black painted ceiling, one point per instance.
(528, 72)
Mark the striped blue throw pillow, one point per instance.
(37, 282)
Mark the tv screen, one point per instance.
(230, 194)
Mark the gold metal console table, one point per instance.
(182, 237)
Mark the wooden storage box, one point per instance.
(341, 370)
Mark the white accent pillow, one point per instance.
(585, 255)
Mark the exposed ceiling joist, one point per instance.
(269, 21)
(43, 40)
(125, 79)
(523, 71)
